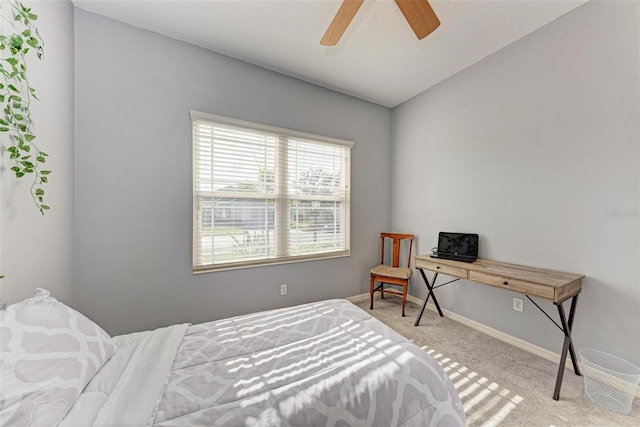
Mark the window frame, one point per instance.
(281, 133)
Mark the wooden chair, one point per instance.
(393, 274)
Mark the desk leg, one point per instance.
(431, 294)
(568, 345)
(572, 312)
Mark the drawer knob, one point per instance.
(505, 283)
(437, 267)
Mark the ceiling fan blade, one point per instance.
(420, 16)
(340, 22)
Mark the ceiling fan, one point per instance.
(418, 14)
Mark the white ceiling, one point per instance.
(378, 58)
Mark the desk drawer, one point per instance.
(522, 286)
(442, 268)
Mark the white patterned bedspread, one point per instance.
(321, 364)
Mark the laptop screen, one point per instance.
(458, 244)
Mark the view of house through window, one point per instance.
(265, 195)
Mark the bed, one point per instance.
(327, 363)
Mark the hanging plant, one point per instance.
(16, 95)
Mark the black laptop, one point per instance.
(457, 246)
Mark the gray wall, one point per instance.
(536, 149)
(134, 90)
(38, 250)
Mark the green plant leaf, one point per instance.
(39, 192)
(45, 172)
(44, 179)
(28, 136)
(4, 129)
(16, 41)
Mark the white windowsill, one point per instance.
(266, 263)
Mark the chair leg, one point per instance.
(404, 295)
(381, 290)
(371, 292)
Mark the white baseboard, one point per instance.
(509, 339)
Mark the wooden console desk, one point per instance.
(555, 286)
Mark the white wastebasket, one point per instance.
(609, 381)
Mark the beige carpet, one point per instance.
(499, 384)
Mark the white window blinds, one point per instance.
(266, 195)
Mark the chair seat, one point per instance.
(396, 272)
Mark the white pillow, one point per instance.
(48, 354)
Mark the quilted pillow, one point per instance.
(48, 354)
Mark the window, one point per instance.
(264, 195)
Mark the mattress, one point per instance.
(321, 364)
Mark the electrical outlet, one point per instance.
(517, 304)
(283, 289)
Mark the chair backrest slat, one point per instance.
(397, 239)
